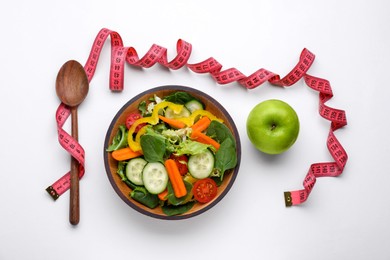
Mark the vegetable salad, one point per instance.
(173, 153)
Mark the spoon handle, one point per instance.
(74, 209)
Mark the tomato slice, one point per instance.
(204, 190)
(131, 118)
(181, 162)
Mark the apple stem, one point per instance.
(273, 127)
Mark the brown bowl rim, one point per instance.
(174, 88)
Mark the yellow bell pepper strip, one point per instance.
(189, 121)
(151, 120)
(141, 132)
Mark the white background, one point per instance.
(344, 218)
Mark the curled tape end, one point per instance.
(288, 199)
(52, 192)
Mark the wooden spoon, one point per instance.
(72, 88)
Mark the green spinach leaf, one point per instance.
(180, 97)
(171, 210)
(172, 198)
(220, 132)
(141, 195)
(153, 147)
(225, 157)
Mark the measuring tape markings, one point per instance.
(158, 54)
(72, 147)
(329, 169)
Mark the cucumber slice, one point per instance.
(169, 113)
(201, 165)
(193, 105)
(134, 170)
(155, 177)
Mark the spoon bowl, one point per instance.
(72, 83)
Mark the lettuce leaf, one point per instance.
(191, 148)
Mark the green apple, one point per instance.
(272, 126)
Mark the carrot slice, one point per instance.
(201, 124)
(163, 195)
(125, 154)
(179, 188)
(202, 138)
(172, 122)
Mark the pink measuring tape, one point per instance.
(157, 54)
